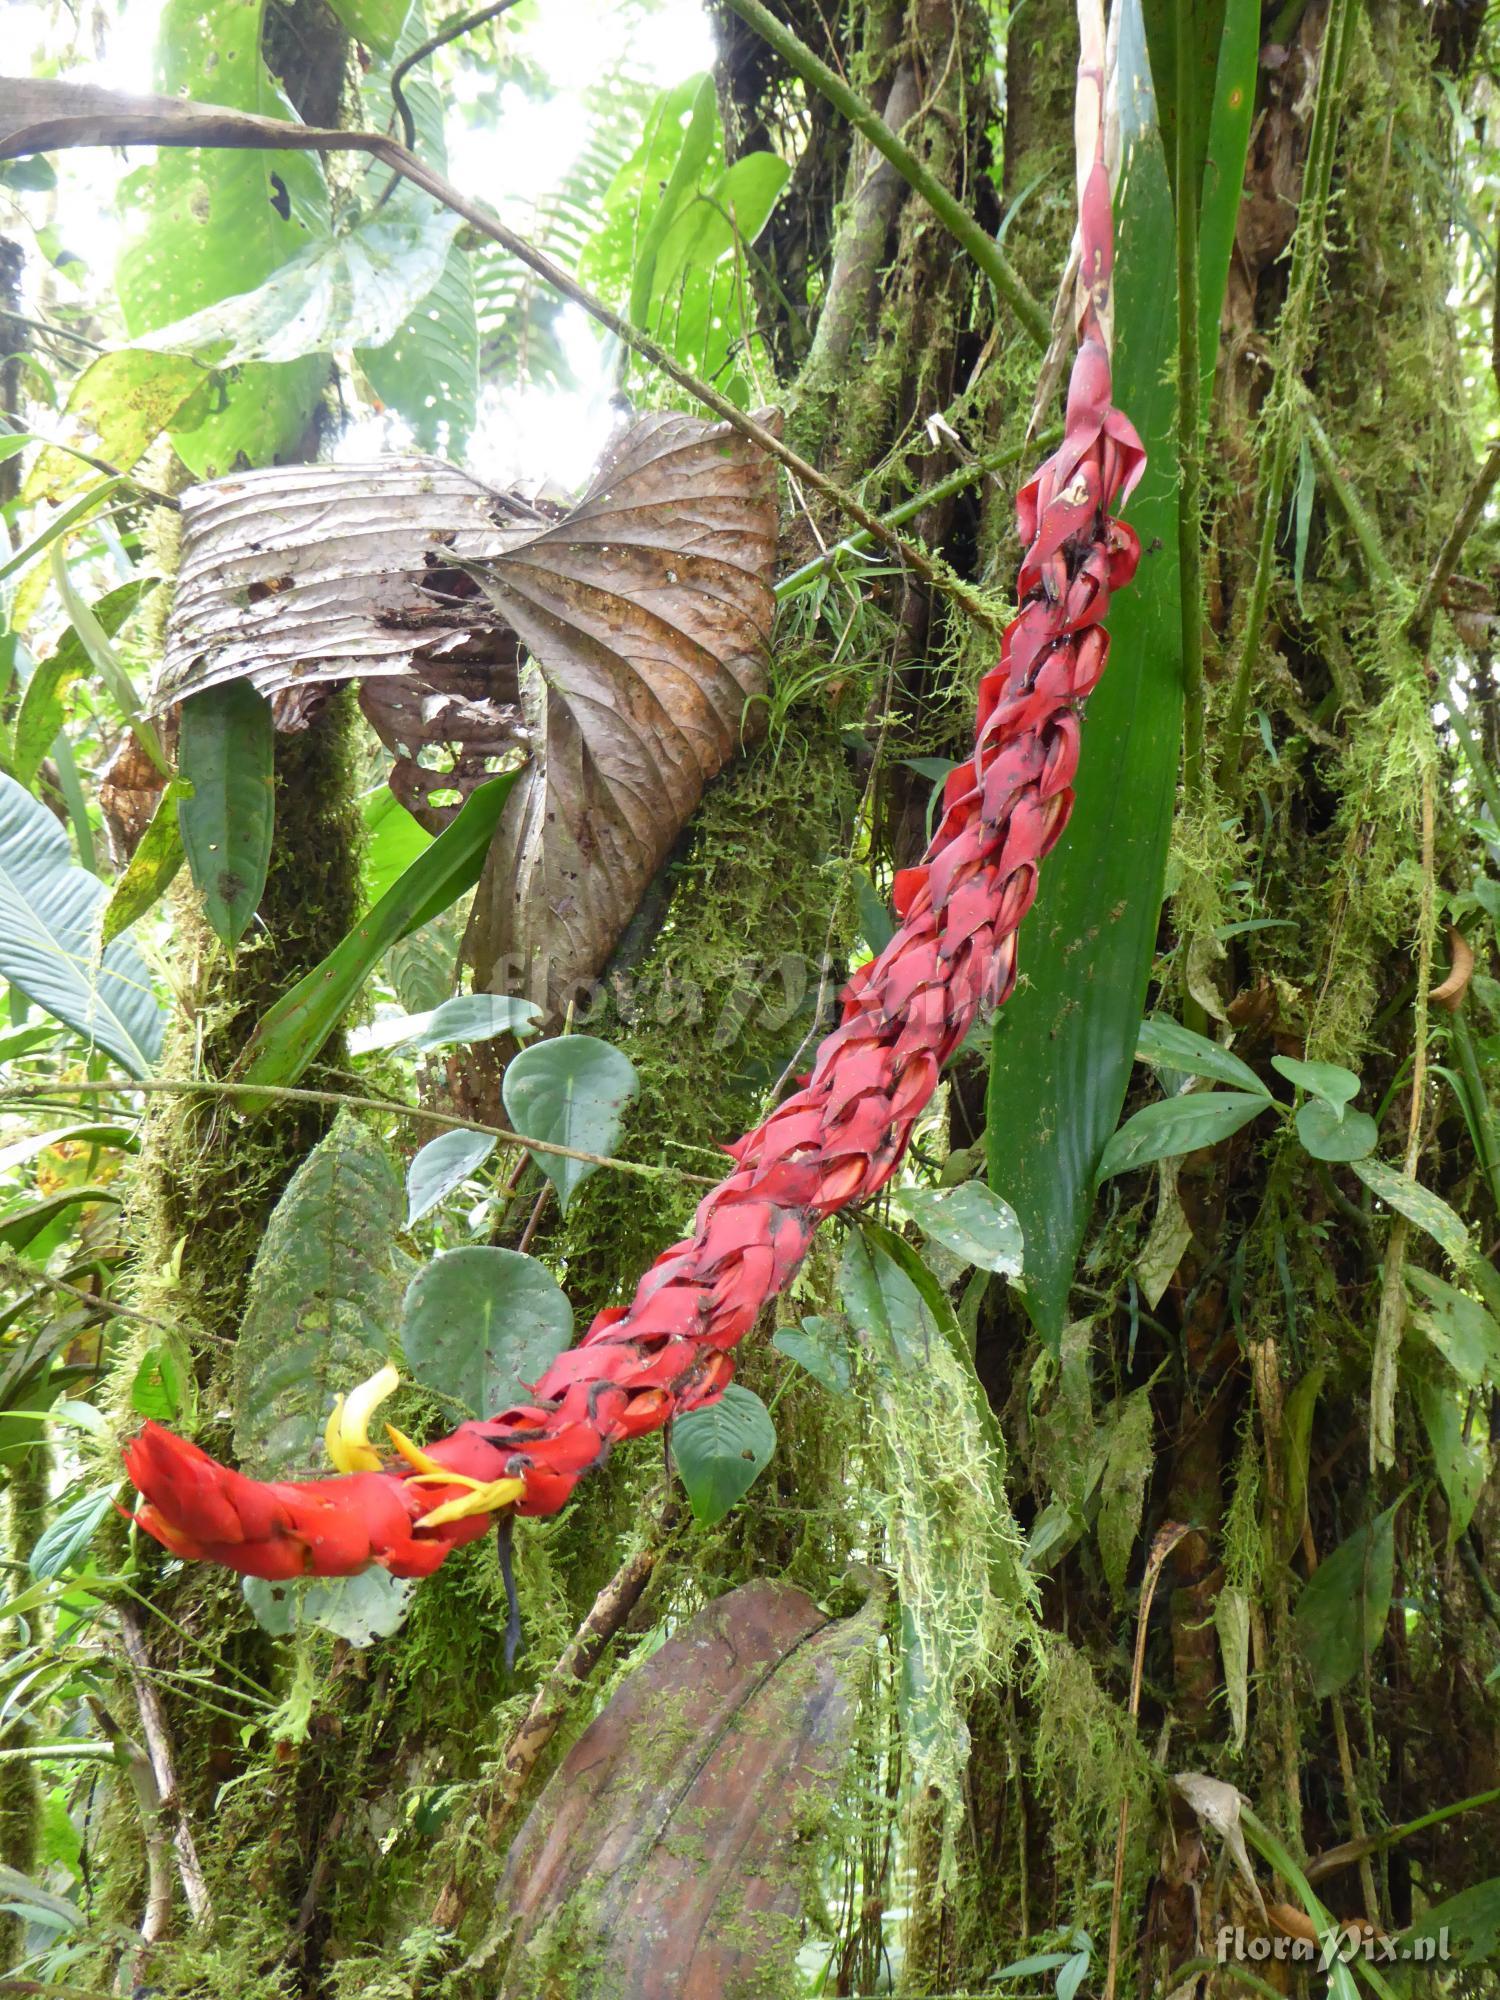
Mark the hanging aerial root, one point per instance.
(837, 1141)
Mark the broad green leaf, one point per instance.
(322, 1303)
(722, 1450)
(377, 23)
(162, 1386)
(819, 1346)
(1122, 1489)
(1329, 1135)
(697, 140)
(467, 1017)
(393, 841)
(440, 1166)
(354, 290)
(1470, 1921)
(1330, 1083)
(876, 925)
(359, 1609)
(19, 1151)
(1180, 1125)
(1459, 1327)
(48, 913)
(570, 1091)
(1341, 1613)
(207, 223)
(480, 1325)
(152, 868)
(1429, 1212)
(226, 752)
(44, 702)
(118, 406)
(67, 1535)
(1463, 1464)
(971, 1221)
(1168, 1046)
(289, 1035)
(428, 369)
(1064, 1043)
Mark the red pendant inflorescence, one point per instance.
(836, 1142)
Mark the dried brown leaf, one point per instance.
(667, 1847)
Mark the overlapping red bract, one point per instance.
(841, 1137)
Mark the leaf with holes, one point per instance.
(226, 753)
(209, 222)
(571, 1091)
(323, 1300)
(117, 408)
(721, 1451)
(480, 1325)
(49, 909)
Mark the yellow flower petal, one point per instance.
(416, 1458)
(483, 1500)
(347, 1434)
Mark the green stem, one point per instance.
(1355, 510)
(31, 1753)
(931, 496)
(1189, 422)
(955, 218)
(1474, 756)
(1468, 1062)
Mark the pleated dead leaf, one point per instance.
(666, 1855)
(616, 651)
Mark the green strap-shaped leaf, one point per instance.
(288, 1036)
(1065, 1042)
(226, 751)
(48, 924)
(44, 704)
(323, 1300)
(157, 858)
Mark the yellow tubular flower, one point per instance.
(347, 1434)
(483, 1500)
(416, 1458)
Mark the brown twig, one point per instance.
(285, 1093)
(1168, 1535)
(163, 1766)
(608, 1613)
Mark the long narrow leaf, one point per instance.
(1065, 1043)
(288, 1037)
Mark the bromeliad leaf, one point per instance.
(442, 1165)
(226, 753)
(971, 1221)
(721, 1451)
(49, 909)
(480, 1325)
(322, 1302)
(571, 1091)
(1341, 1613)
(1180, 1125)
(1168, 1046)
